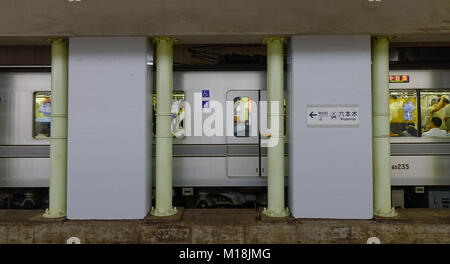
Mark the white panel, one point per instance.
(332, 115)
(108, 137)
(208, 172)
(420, 170)
(331, 167)
(24, 172)
(16, 106)
(218, 83)
(243, 166)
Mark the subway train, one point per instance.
(25, 102)
(227, 170)
(420, 173)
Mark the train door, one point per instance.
(243, 158)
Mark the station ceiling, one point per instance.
(222, 21)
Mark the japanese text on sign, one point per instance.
(332, 115)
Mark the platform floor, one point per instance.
(229, 226)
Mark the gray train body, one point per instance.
(220, 161)
(24, 160)
(428, 158)
(226, 162)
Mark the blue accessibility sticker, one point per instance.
(205, 104)
(205, 93)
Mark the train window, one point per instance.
(41, 120)
(176, 96)
(403, 113)
(435, 104)
(242, 108)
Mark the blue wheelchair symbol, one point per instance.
(205, 93)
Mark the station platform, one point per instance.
(198, 226)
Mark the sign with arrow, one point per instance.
(312, 114)
(333, 115)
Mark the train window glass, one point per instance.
(403, 113)
(242, 108)
(435, 104)
(176, 96)
(42, 110)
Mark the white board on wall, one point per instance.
(108, 167)
(329, 115)
(330, 157)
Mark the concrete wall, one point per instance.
(108, 169)
(224, 20)
(331, 166)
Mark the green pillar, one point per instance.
(275, 154)
(381, 129)
(58, 130)
(164, 72)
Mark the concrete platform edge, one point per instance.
(16, 230)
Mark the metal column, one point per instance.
(164, 169)
(380, 114)
(58, 138)
(275, 154)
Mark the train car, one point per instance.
(226, 170)
(25, 104)
(420, 163)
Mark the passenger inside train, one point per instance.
(407, 105)
(434, 128)
(439, 108)
(410, 131)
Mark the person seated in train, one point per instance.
(434, 130)
(439, 109)
(410, 131)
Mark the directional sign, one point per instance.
(332, 115)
